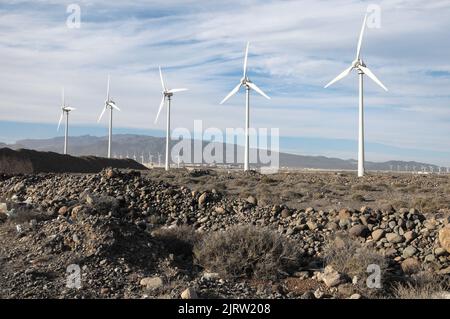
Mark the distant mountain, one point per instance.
(138, 145)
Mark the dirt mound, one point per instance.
(28, 162)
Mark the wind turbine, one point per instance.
(167, 95)
(109, 105)
(359, 65)
(65, 109)
(245, 81)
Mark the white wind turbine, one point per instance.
(167, 95)
(65, 109)
(362, 69)
(245, 81)
(109, 105)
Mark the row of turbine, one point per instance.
(358, 65)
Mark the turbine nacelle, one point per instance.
(357, 63)
(245, 81)
(166, 93)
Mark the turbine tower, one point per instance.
(167, 96)
(245, 81)
(65, 110)
(109, 105)
(362, 69)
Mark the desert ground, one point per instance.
(218, 234)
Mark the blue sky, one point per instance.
(297, 47)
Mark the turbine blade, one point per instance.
(246, 60)
(176, 90)
(63, 98)
(257, 89)
(233, 92)
(373, 77)
(114, 106)
(101, 115)
(361, 36)
(340, 76)
(162, 79)
(107, 89)
(60, 120)
(160, 108)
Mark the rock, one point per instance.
(110, 173)
(444, 238)
(3, 208)
(63, 210)
(152, 282)
(359, 231)
(445, 271)
(438, 252)
(409, 252)
(252, 200)
(219, 210)
(394, 238)
(355, 296)
(19, 187)
(331, 277)
(285, 213)
(318, 294)
(344, 214)
(311, 225)
(210, 276)
(308, 295)
(409, 236)
(104, 291)
(202, 199)
(411, 266)
(76, 211)
(378, 234)
(302, 275)
(189, 293)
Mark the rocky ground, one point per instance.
(148, 235)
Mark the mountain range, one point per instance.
(142, 147)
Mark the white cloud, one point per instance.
(297, 47)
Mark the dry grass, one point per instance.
(248, 252)
(350, 257)
(423, 286)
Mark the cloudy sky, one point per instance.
(296, 48)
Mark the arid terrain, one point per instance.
(219, 234)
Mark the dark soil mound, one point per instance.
(28, 162)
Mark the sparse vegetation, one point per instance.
(422, 286)
(350, 257)
(248, 252)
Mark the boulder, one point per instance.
(378, 234)
(444, 238)
(152, 282)
(359, 231)
(189, 293)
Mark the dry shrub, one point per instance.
(178, 240)
(422, 286)
(364, 187)
(358, 198)
(248, 252)
(430, 204)
(350, 257)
